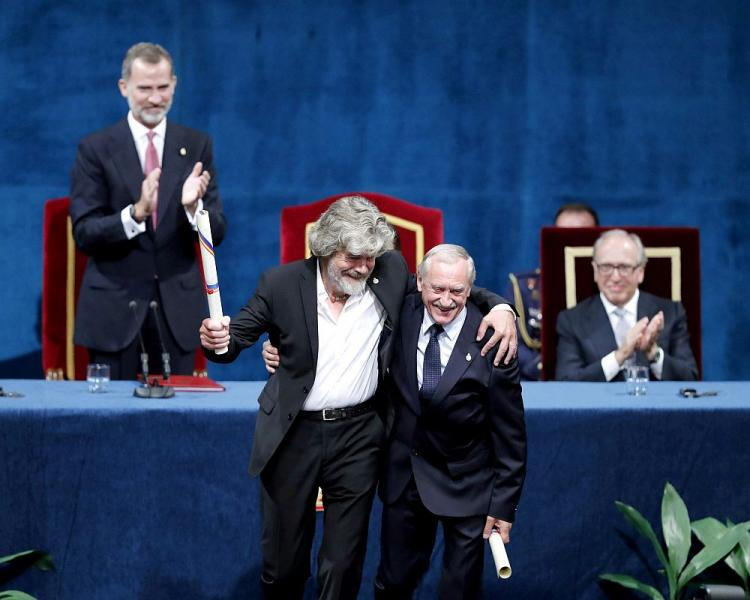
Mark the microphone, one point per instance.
(144, 355)
(167, 370)
(147, 390)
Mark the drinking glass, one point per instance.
(97, 376)
(636, 377)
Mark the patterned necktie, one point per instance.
(152, 162)
(431, 365)
(621, 326)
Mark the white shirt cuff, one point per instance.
(507, 307)
(610, 366)
(191, 218)
(130, 225)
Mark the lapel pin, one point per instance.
(375, 280)
(468, 357)
(183, 151)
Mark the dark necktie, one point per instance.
(431, 365)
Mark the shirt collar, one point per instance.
(451, 329)
(139, 130)
(630, 307)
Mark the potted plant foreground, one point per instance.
(13, 565)
(729, 542)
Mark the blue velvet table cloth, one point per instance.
(141, 499)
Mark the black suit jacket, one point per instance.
(466, 448)
(284, 305)
(106, 178)
(585, 336)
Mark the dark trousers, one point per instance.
(126, 363)
(341, 457)
(407, 537)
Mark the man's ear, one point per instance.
(419, 283)
(123, 85)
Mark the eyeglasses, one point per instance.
(607, 269)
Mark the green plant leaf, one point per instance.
(15, 564)
(744, 545)
(745, 554)
(36, 558)
(633, 584)
(15, 595)
(709, 530)
(12, 557)
(645, 529)
(711, 553)
(675, 524)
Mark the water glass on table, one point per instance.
(636, 378)
(97, 376)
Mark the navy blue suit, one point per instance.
(585, 336)
(106, 178)
(458, 457)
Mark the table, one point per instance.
(151, 498)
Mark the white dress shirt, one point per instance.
(347, 369)
(446, 340)
(609, 363)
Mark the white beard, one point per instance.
(346, 285)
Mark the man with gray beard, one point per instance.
(322, 421)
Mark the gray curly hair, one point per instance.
(352, 224)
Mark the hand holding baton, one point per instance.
(210, 275)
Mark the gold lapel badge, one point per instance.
(183, 151)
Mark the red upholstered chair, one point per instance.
(419, 228)
(673, 271)
(62, 271)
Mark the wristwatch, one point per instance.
(657, 357)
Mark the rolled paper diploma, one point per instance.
(500, 556)
(209, 268)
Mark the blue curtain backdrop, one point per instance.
(495, 112)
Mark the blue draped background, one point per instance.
(493, 111)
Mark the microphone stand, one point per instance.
(165, 360)
(147, 390)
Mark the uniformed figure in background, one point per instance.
(526, 293)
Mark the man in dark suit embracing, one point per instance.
(135, 189)
(333, 318)
(457, 451)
